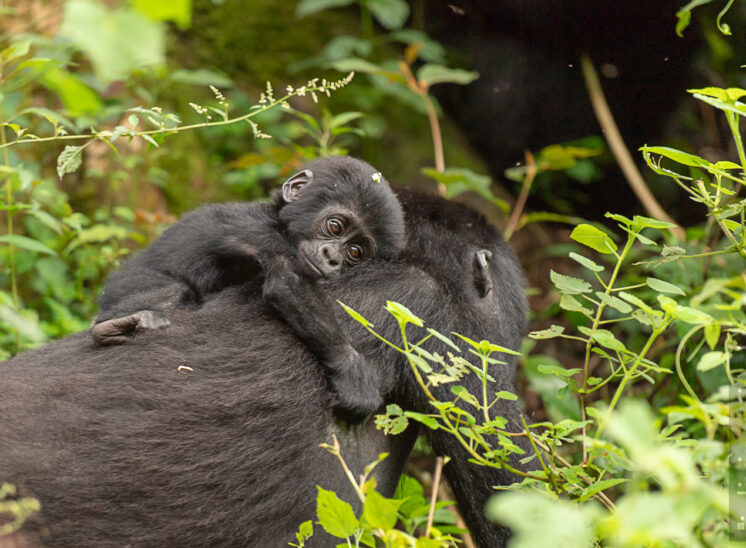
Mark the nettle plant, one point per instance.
(610, 468)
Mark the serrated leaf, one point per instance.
(663, 287)
(591, 490)
(586, 262)
(69, 160)
(464, 394)
(571, 304)
(614, 302)
(552, 332)
(568, 284)
(27, 243)
(443, 339)
(647, 222)
(505, 395)
(380, 512)
(557, 371)
(594, 238)
(604, 337)
(712, 335)
(430, 422)
(335, 515)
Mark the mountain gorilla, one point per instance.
(207, 433)
(333, 215)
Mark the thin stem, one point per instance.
(528, 181)
(619, 149)
(677, 362)
(434, 494)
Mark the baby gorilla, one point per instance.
(334, 215)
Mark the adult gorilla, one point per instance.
(122, 448)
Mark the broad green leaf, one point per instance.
(307, 7)
(571, 304)
(178, 11)
(614, 302)
(335, 515)
(591, 490)
(464, 394)
(380, 512)
(69, 159)
(443, 339)
(344, 118)
(353, 64)
(27, 243)
(117, 41)
(683, 158)
(619, 218)
(430, 422)
(647, 222)
(729, 95)
(355, 315)
(305, 531)
(712, 335)
(557, 371)
(711, 360)
(586, 262)
(632, 299)
(594, 238)
(19, 48)
(663, 287)
(432, 74)
(505, 395)
(460, 180)
(552, 332)
(420, 362)
(392, 14)
(604, 337)
(54, 118)
(77, 97)
(568, 284)
(201, 77)
(402, 313)
(684, 313)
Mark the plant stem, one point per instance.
(528, 180)
(434, 494)
(619, 149)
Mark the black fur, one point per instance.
(221, 245)
(122, 449)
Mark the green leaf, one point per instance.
(335, 515)
(78, 98)
(591, 490)
(463, 393)
(683, 158)
(380, 512)
(178, 11)
(460, 180)
(27, 243)
(201, 77)
(307, 7)
(711, 360)
(69, 159)
(604, 337)
(505, 395)
(594, 238)
(648, 222)
(402, 314)
(684, 313)
(552, 332)
(586, 262)
(392, 14)
(663, 287)
(712, 335)
(305, 531)
(355, 315)
(353, 64)
(569, 285)
(117, 41)
(432, 74)
(54, 118)
(557, 371)
(430, 422)
(443, 339)
(344, 118)
(571, 304)
(614, 302)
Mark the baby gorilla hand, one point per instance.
(119, 330)
(307, 310)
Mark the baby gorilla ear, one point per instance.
(292, 187)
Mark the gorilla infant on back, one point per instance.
(122, 449)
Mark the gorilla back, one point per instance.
(122, 448)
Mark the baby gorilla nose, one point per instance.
(332, 256)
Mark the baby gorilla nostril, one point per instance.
(331, 255)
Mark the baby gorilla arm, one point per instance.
(307, 310)
(208, 250)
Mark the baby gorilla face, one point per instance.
(338, 241)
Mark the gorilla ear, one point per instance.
(292, 187)
(482, 278)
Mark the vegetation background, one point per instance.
(116, 117)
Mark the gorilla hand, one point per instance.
(119, 330)
(308, 311)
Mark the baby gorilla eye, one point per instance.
(354, 253)
(335, 226)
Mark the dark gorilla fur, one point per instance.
(122, 449)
